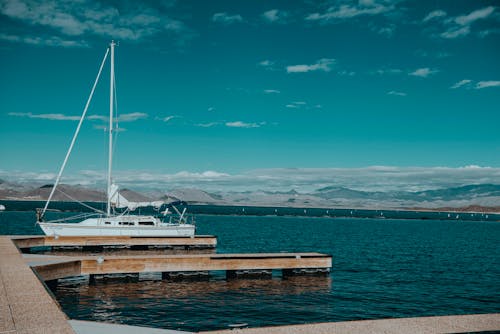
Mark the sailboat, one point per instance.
(111, 222)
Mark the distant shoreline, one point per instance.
(255, 210)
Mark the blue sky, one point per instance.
(236, 86)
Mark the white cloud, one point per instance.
(207, 125)
(456, 32)
(388, 71)
(434, 14)
(80, 18)
(368, 8)
(423, 72)
(433, 54)
(487, 84)
(488, 32)
(240, 124)
(168, 118)
(61, 117)
(460, 26)
(461, 83)
(225, 18)
(210, 109)
(396, 93)
(275, 16)
(302, 105)
(132, 117)
(387, 31)
(474, 16)
(271, 91)
(265, 63)
(53, 117)
(44, 41)
(324, 64)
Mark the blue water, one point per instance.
(382, 268)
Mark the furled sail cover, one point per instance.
(118, 201)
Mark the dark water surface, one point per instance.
(381, 268)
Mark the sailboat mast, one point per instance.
(110, 130)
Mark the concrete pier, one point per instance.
(25, 305)
(475, 323)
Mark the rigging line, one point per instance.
(79, 202)
(75, 135)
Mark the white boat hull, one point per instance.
(75, 230)
(113, 227)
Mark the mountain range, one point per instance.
(479, 195)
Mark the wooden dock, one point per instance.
(53, 267)
(95, 242)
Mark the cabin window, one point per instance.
(146, 223)
(126, 223)
(107, 223)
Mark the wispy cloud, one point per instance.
(433, 54)
(487, 84)
(302, 105)
(61, 117)
(474, 16)
(211, 109)
(44, 41)
(207, 125)
(384, 71)
(240, 124)
(271, 91)
(423, 72)
(132, 117)
(459, 26)
(466, 83)
(461, 83)
(52, 117)
(363, 8)
(324, 64)
(78, 19)
(455, 32)
(267, 65)
(275, 16)
(434, 15)
(168, 118)
(226, 18)
(396, 93)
